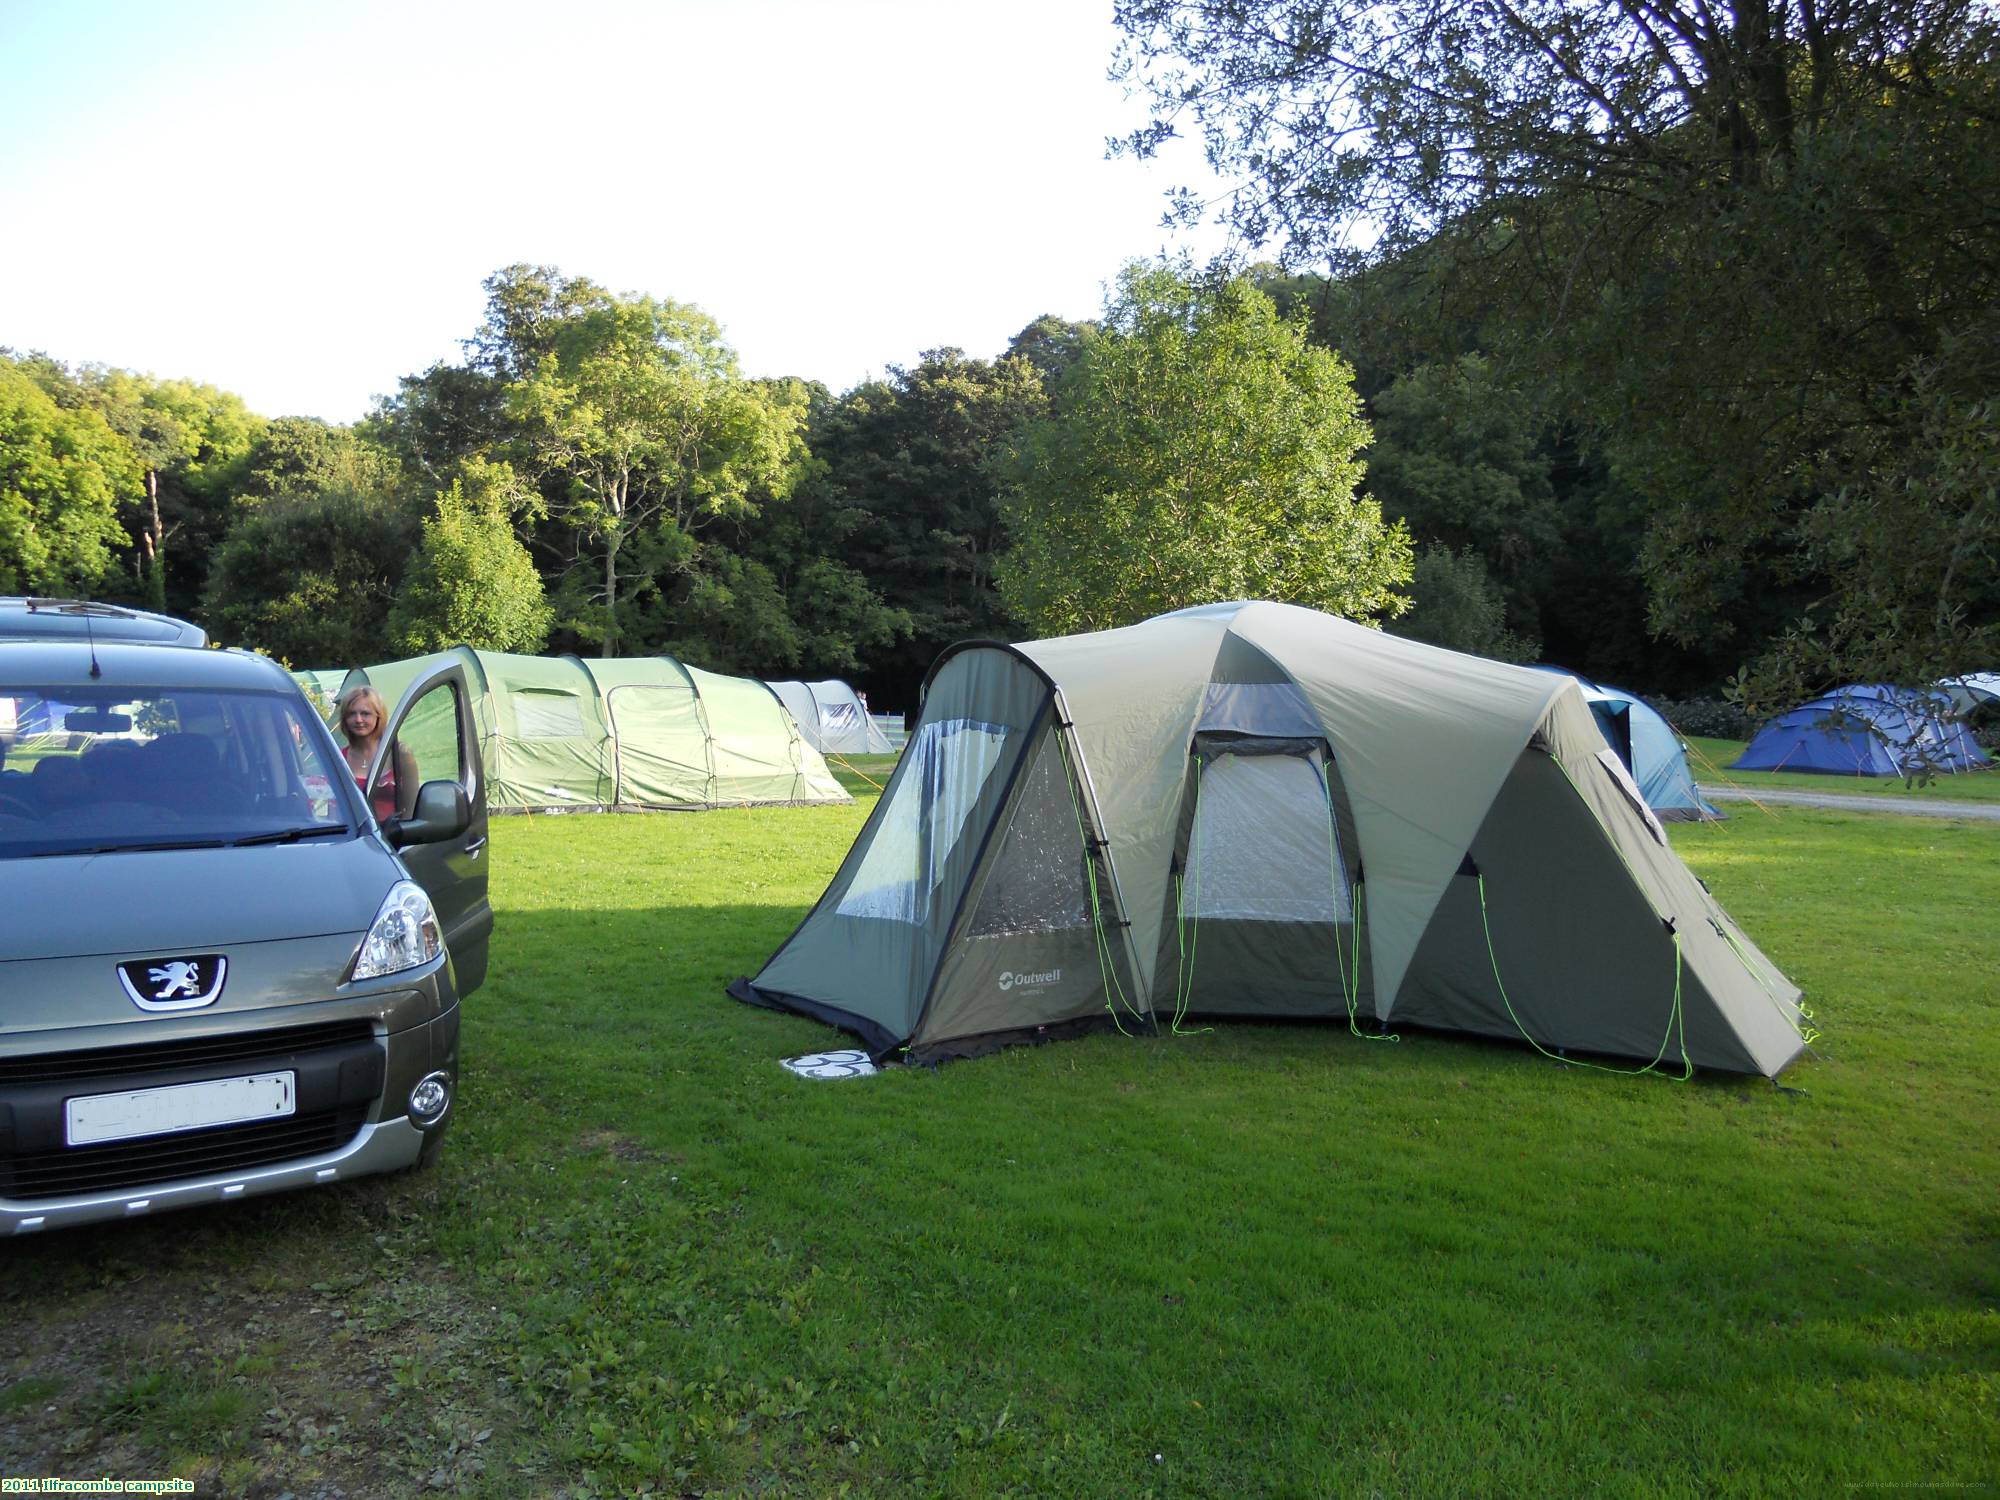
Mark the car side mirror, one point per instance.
(443, 812)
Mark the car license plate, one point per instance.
(181, 1106)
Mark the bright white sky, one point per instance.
(298, 202)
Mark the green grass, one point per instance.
(1710, 760)
(862, 775)
(1260, 1260)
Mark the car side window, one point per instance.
(429, 742)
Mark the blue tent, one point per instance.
(1651, 750)
(1869, 729)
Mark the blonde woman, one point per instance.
(362, 717)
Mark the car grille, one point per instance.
(192, 1052)
(118, 1165)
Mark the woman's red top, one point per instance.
(384, 801)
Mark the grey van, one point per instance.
(219, 976)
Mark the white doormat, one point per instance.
(853, 1064)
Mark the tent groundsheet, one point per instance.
(832, 718)
(1259, 810)
(573, 734)
(1869, 729)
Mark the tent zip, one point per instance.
(1107, 966)
(1073, 756)
(1188, 933)
(1350, 974)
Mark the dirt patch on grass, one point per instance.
(294, 1371)
(622, 1146)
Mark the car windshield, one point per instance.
(113, 770)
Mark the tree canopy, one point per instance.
(472, 583)
(1728, 244)
(1199, 448)
(312, 577)
(903, 480)
(63, 473)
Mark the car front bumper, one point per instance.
(374, 1133)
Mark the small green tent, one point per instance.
(567, 733)
(322, 685)
(1259, 810)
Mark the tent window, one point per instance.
(1037, 883)
(937, 785)
(543, 715)
(1263, 846)
(1610, 761)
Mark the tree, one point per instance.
(299, 456)
(311, 577)
(1199, 449)
(191, 441)
(795, 555)
(62, 473)
(441, 418)
(1456, 459)
(1456, 604)
(1926, 604)
(902, 491)
(472, 582)
(1051, 344)
(1731, 242)
(634, 409)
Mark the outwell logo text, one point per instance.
(1026, 981)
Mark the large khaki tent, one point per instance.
(570, 733)
(1259, 810)
(832, 718)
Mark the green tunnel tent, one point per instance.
(322, 685)
(567, 733)
(1259, 810)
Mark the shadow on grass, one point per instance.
(1281, 1257)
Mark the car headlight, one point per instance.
(405, 934)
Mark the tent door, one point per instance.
(1261, 917)
(1039, 943)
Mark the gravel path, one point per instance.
(1921, 807)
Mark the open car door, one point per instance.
(433, 737)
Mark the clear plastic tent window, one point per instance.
(542, 715)
(1037, 883)
(1263, 846)
(943, 770)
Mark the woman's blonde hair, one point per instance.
(367, 696)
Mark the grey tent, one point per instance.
(832, 719)
(1973, 691)
(1259, 810)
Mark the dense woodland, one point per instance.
(1659, 342)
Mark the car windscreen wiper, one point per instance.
(128, 848)
(292, 835)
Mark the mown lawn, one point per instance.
(1259, 1260)
(1710, 760)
